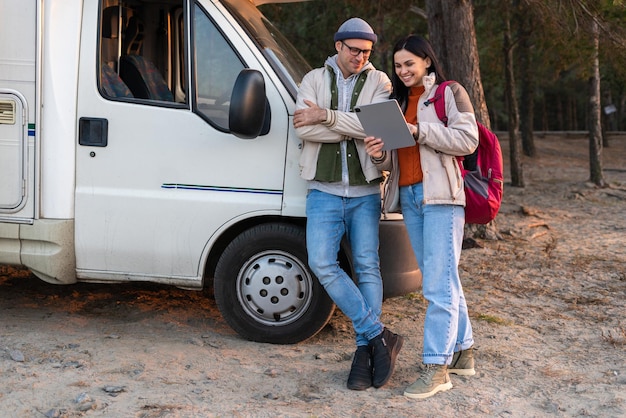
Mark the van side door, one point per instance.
(159, 175)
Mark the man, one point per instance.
(344, 194)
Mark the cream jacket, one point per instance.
(439, 145)
(338, 126)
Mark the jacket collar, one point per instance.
(429, 82)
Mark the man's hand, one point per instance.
(312, 115)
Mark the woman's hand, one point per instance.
(374, 147)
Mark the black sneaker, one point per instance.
(385, 348)
(360, 377)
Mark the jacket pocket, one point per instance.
(453, 173)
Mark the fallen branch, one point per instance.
(615, 193)
(538, 224)
(538, 234)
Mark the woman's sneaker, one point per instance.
(463, 363)
(434, 378)
(360, 377)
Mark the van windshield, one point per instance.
(283, 56)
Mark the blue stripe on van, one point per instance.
(31, 129)
(219, 189)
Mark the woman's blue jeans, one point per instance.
(436, 235)
(329, 217)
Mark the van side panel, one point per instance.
(18, 49)
(47, 249)
(9, 243)
(61, 41)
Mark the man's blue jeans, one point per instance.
(329, 217)
(436, 235)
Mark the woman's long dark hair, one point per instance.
(419, 46)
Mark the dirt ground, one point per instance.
(547, 300)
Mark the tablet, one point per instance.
(385, 120)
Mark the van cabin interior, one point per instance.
(142, 51)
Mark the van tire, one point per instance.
(265, 290)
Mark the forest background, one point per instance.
(550, 42)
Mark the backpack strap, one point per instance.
(439, 99)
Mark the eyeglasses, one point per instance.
(356, 51)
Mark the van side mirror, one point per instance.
(249, 114)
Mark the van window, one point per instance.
(280, 53)
(141, 53)
(216, 69)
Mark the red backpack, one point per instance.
(484, 182)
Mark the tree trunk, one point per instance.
(436, 30)
(622, 114)
(527, 103)
(569, 112)
(453, 36)
(544, 120)
(595, 126)
(560, 119)
(517, 173)
(608, 121)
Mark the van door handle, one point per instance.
(93, 132)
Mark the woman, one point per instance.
(432, 201)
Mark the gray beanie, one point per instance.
(355, 28)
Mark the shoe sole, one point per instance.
(462, 372)
(394, 354)
(441, 388)
(358, 387)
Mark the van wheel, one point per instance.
(265, 290)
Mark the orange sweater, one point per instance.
(409, 158)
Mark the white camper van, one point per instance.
(152, 140)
